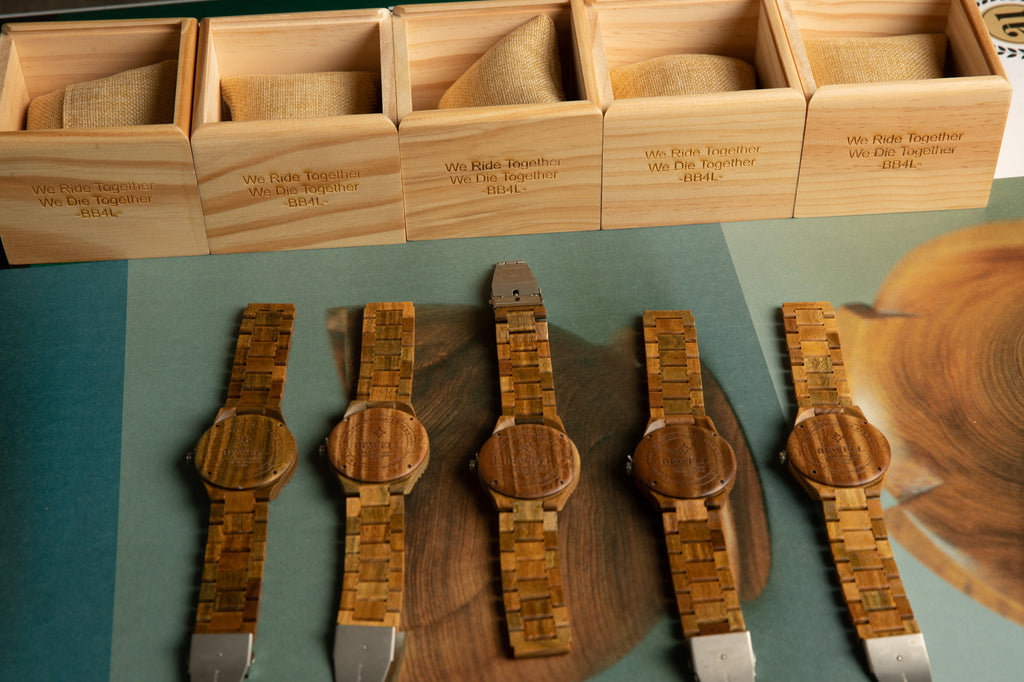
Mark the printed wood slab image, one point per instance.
(612, 549)
(938, 363)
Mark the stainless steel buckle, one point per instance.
(727, 657)
(367, 653)
(902, 658)
(219, 656)
(513, 283)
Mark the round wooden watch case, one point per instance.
(838, 450)
(529, 461)
(247, 451)
(378, 445)
(685, 462)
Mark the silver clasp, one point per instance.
(728, 657)
(513, 283)
(902, 658)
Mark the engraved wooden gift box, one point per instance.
(96, 193)
(898, 146)
(493, 170)
(297, 183)
(695, 158)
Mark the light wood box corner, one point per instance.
(300, 183)
(899, 146)
(104, 193)
(685, 159)
(498, 170)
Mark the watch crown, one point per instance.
(190, 457)
(629, 465)
(783, 457)
(474, 462)
(322, 450)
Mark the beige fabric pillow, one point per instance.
(682, 74)
(46, 112)
(523, 68)
(142, 96)
(871, 60)
(261, 97)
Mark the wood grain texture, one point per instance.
(297, 183)
(906, 146)
(97, 193)
(374, 579)
(378, 445)
(500, 170)
(699, 158)
(937, 364)
(529, 461)
(612, 545)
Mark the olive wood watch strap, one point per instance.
(373, 581)
(261, 358)
(674, 388)
(387, 353)
(702, 577)
(863, 557)
(371, 592)
(531, 580)
(524, 364)
(229, 595)
(815, 357)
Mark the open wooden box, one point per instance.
(104, 193)
(906, 145)
(684, 159)
(497, 170)
(300, 183)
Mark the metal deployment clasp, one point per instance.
(513, 283)
(219, 657)
(901, 658)
(728, 657)
(367, 653)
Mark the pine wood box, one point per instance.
(297, 183)
(101, 193)
(899, 146)
(684, 159)
(498, 170)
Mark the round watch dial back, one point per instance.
(838, 450)
(528, 461)
(685, 461)
(245, 452)
(378, 445)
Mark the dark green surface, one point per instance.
(62, 333)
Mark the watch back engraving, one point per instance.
(838, 450)
(378, 445)
(246, 451)
(685, 461)
(528, 461)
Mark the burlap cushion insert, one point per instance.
(682, 74)
(523, 68)
(262, 97)
(871, 60)
(142, 96)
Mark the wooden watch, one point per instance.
(378, 451)
(244, 460)
(686, 470)
(529, 466)
(841, 460)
